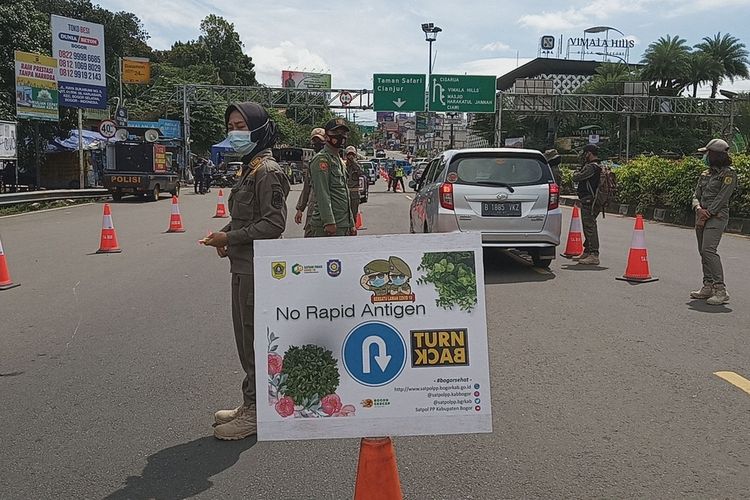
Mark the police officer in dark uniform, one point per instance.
(257, 204)
(198, 176)
(587, 178)
(711, 204)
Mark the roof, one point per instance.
(542, 65)
(449, 154)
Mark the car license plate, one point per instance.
(497, 209)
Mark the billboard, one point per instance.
(300, 80)
(384, 116)
(136, 70)
(78, 47)
(36, 87)
(7, 140)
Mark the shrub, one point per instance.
(658, 182)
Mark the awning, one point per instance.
(91, 141)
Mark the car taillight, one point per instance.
(554, 196)
(446, 196)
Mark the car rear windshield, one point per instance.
(509, 170)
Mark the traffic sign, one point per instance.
(107, 128)
(121, 116)
(396, 92)
(345, 98)
(374, 353)
(462, 93)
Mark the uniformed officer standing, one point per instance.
(587, 178)
(353, 175)
(711, 205)
(307, 196)
(332, 215)
(257, 204)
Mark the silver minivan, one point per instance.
(507, 194)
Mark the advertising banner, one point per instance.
(79, 49)
(384, 116)
(301, 80)
(160, 158)
(136, 70)
(8, 141)
(394, 340)
(36, 87)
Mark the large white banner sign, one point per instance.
(78, 47)
(371, 336)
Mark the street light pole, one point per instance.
(430, 35)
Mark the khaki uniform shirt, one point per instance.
(714, 189)
(353, 173)
(257, 204)
(329, 185)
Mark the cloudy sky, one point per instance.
(354, 39)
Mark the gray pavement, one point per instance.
(112, 365)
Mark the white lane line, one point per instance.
(408, 197)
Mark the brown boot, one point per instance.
(226, 416)
(706, 292)
(719, 297)
(243, 425)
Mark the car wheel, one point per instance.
(154, 195)
(543, 262)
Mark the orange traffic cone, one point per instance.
(108, 242)
(377, 473)
(575, 236)
(359, 224)
(175, 220)
(221, 209)
(5, 282)
(637, 270)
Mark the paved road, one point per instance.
(112, 365)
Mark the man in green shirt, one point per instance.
(332, 215)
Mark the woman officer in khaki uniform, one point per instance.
(257, 205)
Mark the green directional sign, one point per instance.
(403, 93)
(462, 93)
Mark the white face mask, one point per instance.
(241, 140)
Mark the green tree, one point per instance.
(702, 68)
(732, 55)
(666, 65)
(225, 48)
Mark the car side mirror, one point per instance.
(413, 185)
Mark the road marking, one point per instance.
(408, 197)
(736, 380)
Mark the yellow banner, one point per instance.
(136, 70)
(28, 57)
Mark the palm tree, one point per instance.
(732, 55)
(608, 79)
(667, 62)
(702, 68)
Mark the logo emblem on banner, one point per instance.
(374, 353)
(334, 268)
(388, 280)
(278, 270)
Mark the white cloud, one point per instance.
(496, 66)
(495, 47)
(588, 14)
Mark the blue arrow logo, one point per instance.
(374, 353)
